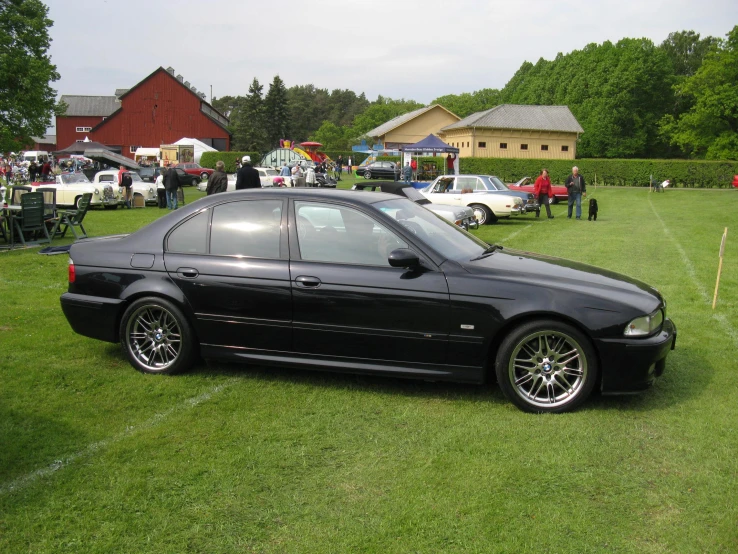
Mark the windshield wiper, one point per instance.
(489, 250)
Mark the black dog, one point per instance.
(593, 209)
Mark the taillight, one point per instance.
(72, 274)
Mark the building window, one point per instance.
(503, 146)
(564, 148)
(132, 149)
(482, 145)
(544, 147)
(524, 147)
(84, 129)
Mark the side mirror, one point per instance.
(404, 257)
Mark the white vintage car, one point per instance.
(71, 186)
(267, 177)
(488, 208)
(140, 187)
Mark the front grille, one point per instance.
(108, 192)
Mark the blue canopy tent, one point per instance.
(433, 145)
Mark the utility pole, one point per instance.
(211, 94)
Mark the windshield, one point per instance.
(72, 178)
(272, 172)
(135, 177)
(498, 183)
(443, 236)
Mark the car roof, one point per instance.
(308, 193)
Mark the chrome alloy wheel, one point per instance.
(548, 369)
(154, 337)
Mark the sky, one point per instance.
(398, 49)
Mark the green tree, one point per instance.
(381, 111)
(27, 101)
(332, 137)
(276, 113)
(248, 121)
(710, 128)
(686, 51)
(466, 103)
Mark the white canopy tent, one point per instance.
(200, 147)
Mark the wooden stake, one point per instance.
(720, 267)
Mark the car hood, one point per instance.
(557, 273)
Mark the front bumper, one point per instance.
(516, 210)
(631, 365)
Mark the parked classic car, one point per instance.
(488, 208)
(489, 184)
(195, 169)
(458, 215)
(146, 190)
(379, 170)
(367, 283)
(71, 186)
(184, 178)
(527, 184)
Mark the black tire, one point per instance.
(367, 174)
(546, 366)
(483, 214)
(204, 176)
(195, 181)
(555, 200)
(156, 337)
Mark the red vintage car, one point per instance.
(196, 169)
(527, 184)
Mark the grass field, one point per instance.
(96, 457)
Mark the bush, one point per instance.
(629, 173)
(209, 159)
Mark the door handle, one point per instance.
(307, 281)
(188, 272)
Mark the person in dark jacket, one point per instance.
(171, 184)
(218, 181)
(576, 188)
(247, 177)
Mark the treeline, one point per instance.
(634, 99)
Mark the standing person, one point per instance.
(171, 185)
(218, 181)
(126, 181)
(450, 159)
(407, 172)
(32, 171)
(161, 192)
(46, 171)
(576, 188)
(285, 171)
(238, 165)
(349, 166)
(414, 166)
(339, 167)
(247, 177)
(543, 192)
(310, 179)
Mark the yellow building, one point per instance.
(412, 127)
(512, 131)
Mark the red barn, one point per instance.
(161, 109)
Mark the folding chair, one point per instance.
(17, 192)
(72, 219)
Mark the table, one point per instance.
(9, 212)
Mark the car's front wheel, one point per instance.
(546, 366)
(367, 174)
(204, 176)
(483, 214)
(156, 337)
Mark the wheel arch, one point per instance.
(522, 319)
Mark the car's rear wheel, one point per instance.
(483, 214)
(367, 174)
(546, 366)
(204, 176)
(156, 337)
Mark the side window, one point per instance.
(191, 236)
(466, 183)
(337, 234)
(250, 228)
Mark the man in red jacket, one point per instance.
(543, 192)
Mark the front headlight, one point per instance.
(645, 325)
(97, 192)
(151, 191)
(518, 200)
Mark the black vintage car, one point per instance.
(364, 282)
(379, 170)
(150, 174)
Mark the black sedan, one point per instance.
(364, 282)
(379, 170)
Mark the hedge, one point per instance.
(629, 173)
(209, 159)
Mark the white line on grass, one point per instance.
(91, 449)
(720, 318)
(516, 233)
